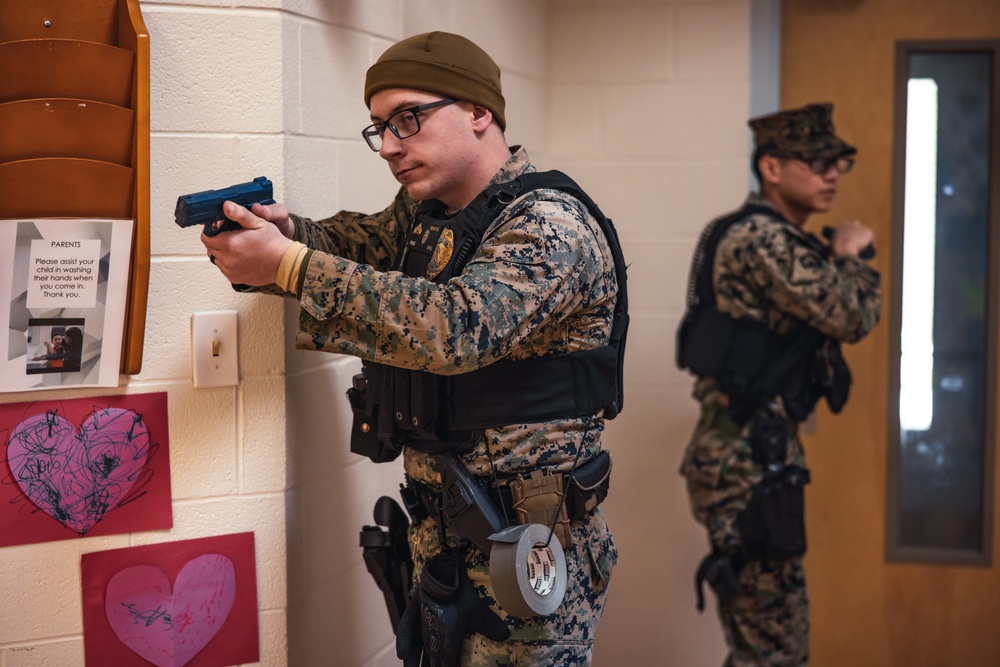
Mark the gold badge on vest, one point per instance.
(442, 253)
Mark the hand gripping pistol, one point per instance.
(205, 208)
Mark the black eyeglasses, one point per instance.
(820, 166)
(403, 124)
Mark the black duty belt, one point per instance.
(585, 489)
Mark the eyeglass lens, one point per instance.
(403, 123)
(821, 166)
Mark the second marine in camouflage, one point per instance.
(769, 305)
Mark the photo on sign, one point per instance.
(55, 345)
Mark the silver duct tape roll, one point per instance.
(528, 570)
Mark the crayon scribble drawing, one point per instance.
(97, 466)
(76, 477)
(168, 626)
(189, 603)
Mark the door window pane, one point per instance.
(945, 380)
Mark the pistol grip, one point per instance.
(219, 226)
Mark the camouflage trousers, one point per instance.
(767, 622)
(563, 638)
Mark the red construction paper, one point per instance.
(86, 466)
(169, 602)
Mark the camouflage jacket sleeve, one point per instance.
(772, 272)
(541, 282)
(363, 238)
(367, 239)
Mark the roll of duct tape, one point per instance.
(528, 570)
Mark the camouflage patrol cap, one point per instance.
(443, 63)
(806, 133)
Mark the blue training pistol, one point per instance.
(205, 208)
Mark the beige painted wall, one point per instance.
(647, 109)
(645, 104)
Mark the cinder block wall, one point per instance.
(644, 104)
(648, 107)
(217, 118)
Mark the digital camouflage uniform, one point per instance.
(770, 271)
(766, 270)
(542, 282)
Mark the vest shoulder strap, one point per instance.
(700, 288)
(557, 180)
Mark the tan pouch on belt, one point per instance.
(536, 499)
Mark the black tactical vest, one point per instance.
(748, 361)
(394, 407)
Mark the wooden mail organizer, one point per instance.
(74, 125)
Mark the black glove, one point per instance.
(448, 604)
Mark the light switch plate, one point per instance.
(214, 349)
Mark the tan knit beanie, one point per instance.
(443, 63)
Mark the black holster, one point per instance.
(721, 573)
(464, 505)
(387, 556)
(772, 527)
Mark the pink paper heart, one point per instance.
(166, 627)
(78, 477)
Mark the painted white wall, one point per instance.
(644, 103)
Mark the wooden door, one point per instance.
(866, 609)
